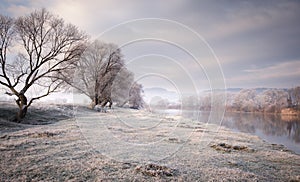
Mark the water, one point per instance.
(272, 128)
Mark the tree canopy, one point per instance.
(40, 53)
(36, 49)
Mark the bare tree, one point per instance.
(191, 102)
(46, 47)
(272, 100)
(295, 96)
(96, 71)
(121, 87)
(135, 96)
(244, 100)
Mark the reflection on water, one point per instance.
(272, 128)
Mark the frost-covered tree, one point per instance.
(135, 96)
(244, 100)
(126, 91)
(295, 96)
(191, 102)
(121, 87)
(205, 102)
(35, 51)
(250, 100)
(272, 100)
(96, 71)
(158, 102)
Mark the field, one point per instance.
(64, 143)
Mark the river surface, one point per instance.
(275, 129)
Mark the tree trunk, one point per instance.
(121, 105)
(22, 103)
(103, 104)
(96, 99)
(110, 103)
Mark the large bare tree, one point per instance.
(96, 71)
(36, 49)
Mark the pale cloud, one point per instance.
(239, 24)
(285, 71)
(255, 41)
(291, 68)
(249, 18)
(19, 10)
(71, 11)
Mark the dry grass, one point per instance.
(60, 152)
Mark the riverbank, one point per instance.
(272, 128)
(64, 151)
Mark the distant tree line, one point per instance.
(251, 100)
(268, 101)
(41, 54)
(246, 100)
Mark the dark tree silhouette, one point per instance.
(46, 47)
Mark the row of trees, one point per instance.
(246, 100)
(252, 100)
(101, 75)
(41, 51)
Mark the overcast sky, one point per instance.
(257, 43)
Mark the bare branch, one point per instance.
(49, 90)
(48, 48)
(96, 70)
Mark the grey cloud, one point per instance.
(244, 34)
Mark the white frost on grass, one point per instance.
(68, 150)
(135, 135)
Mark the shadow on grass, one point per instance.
(39, 114)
